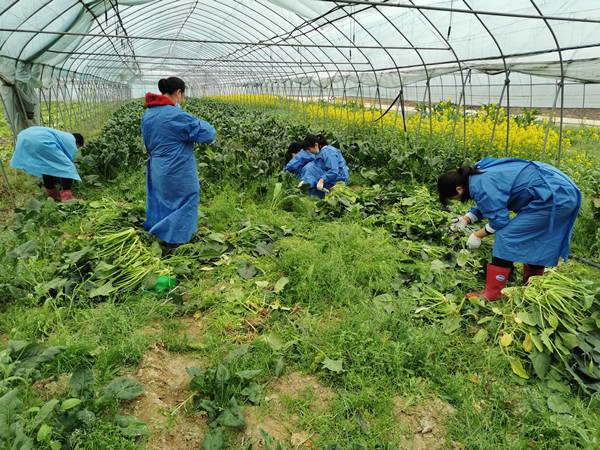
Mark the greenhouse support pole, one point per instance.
(562, 110)
(583, 102)
(497, 115)
(456, 114)
(421, 115)
(396, 117)
(460, 99)
(562, 80)
(467, 79)
(507, 81)
(430, 119)
(10, 192)
(550, 121)
(531, 92)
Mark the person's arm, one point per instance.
(203, 132)
(195, 130)
(330, 169)
(491, 196)
(294, 166)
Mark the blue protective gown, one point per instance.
(172, 186)
(333, 165)
(46, 151)
(546, 202)
(311, 175)
(298, 162)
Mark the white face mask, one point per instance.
(178, 103)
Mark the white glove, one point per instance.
(320, 185)
(458, 224)
(474, 241)
(301, 183)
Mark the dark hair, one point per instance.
(448, 182)
(294, 147)
(78, 139)
(311, 139)
(170, 85)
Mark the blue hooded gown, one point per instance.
(172, 186)
(311, 175)
(546, 202)
(46, 151)
(330, 165)
(298, 162)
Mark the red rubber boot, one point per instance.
(67, 195)
(528, 271)
(53, 193)
(494, 283)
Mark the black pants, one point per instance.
(508, 264)
(50, 182)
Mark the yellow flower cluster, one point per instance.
(448, 125)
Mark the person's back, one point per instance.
(334, 167)
(172, 187)
(171, 132)
(46, 151)
(298, 162)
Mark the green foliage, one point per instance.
(57, 420)
(217, 391)
(528, 117)
(586, 235)
(20, 363)
(364, 292)
(119, 146)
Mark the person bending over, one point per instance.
(49, 154)
(545, 200)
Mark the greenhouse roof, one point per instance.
(224, 42)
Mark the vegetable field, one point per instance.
(290, 322)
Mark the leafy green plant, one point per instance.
(528, 117)
(88, 400)
(552, 319)
(216, 390)
(339, 201)
(21, 362)
(118, 146)
(55, 421)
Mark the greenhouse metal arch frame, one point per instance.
(79, 60)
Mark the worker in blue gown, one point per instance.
(49, 154)
(329, 164)
(546, 203)
(302, 164)
(172, 184)
(297, 158)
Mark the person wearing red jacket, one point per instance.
(172, 185)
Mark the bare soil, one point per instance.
(174, 423)
(163, 406)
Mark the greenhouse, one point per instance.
(175, 275)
